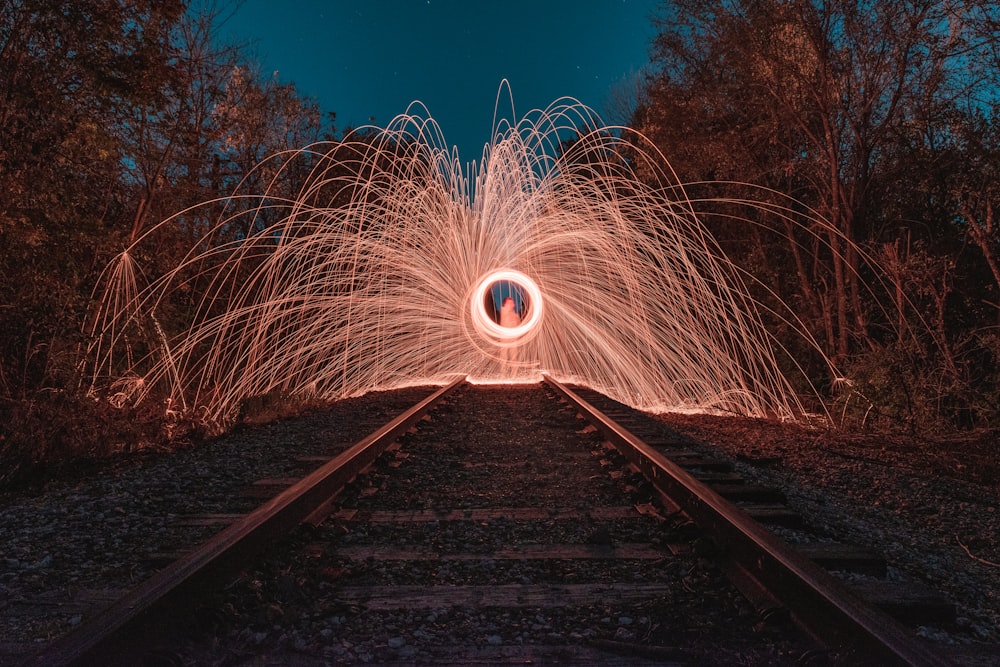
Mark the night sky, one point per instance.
(370, 59)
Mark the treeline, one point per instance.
(879, 117)
(114, 114)
(882, 118)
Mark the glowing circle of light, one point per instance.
(491, 330)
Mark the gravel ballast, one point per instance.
(932, 509)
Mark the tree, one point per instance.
(173, 138)
(109, 122)
(881, 116)
(259, 118)
(808, 98)
(67, 70)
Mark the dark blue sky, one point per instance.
(366, 59)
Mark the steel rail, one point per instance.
(818, 603)
(101, 639)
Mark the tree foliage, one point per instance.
(65, 69)
(881, 116)
(113, 114)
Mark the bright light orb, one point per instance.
(493, 331)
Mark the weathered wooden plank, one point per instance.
(605, 654)
(384, 598)
(749, 493)
(483, 514)
(627, 551)
(698, 462)
(313, 458)
(62, 602)
(277, 481)
(207, 519)
(715, 477)
(774, 515)
(909, 602)
(844, 558)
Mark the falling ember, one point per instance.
(386, 267)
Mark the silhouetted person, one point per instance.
(508, 318)
(508, 315)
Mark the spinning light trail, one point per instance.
(379, 272)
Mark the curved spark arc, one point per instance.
(367, 279)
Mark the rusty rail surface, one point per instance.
(819, 603)
(109, 637)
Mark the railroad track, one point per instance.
(506, 531)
